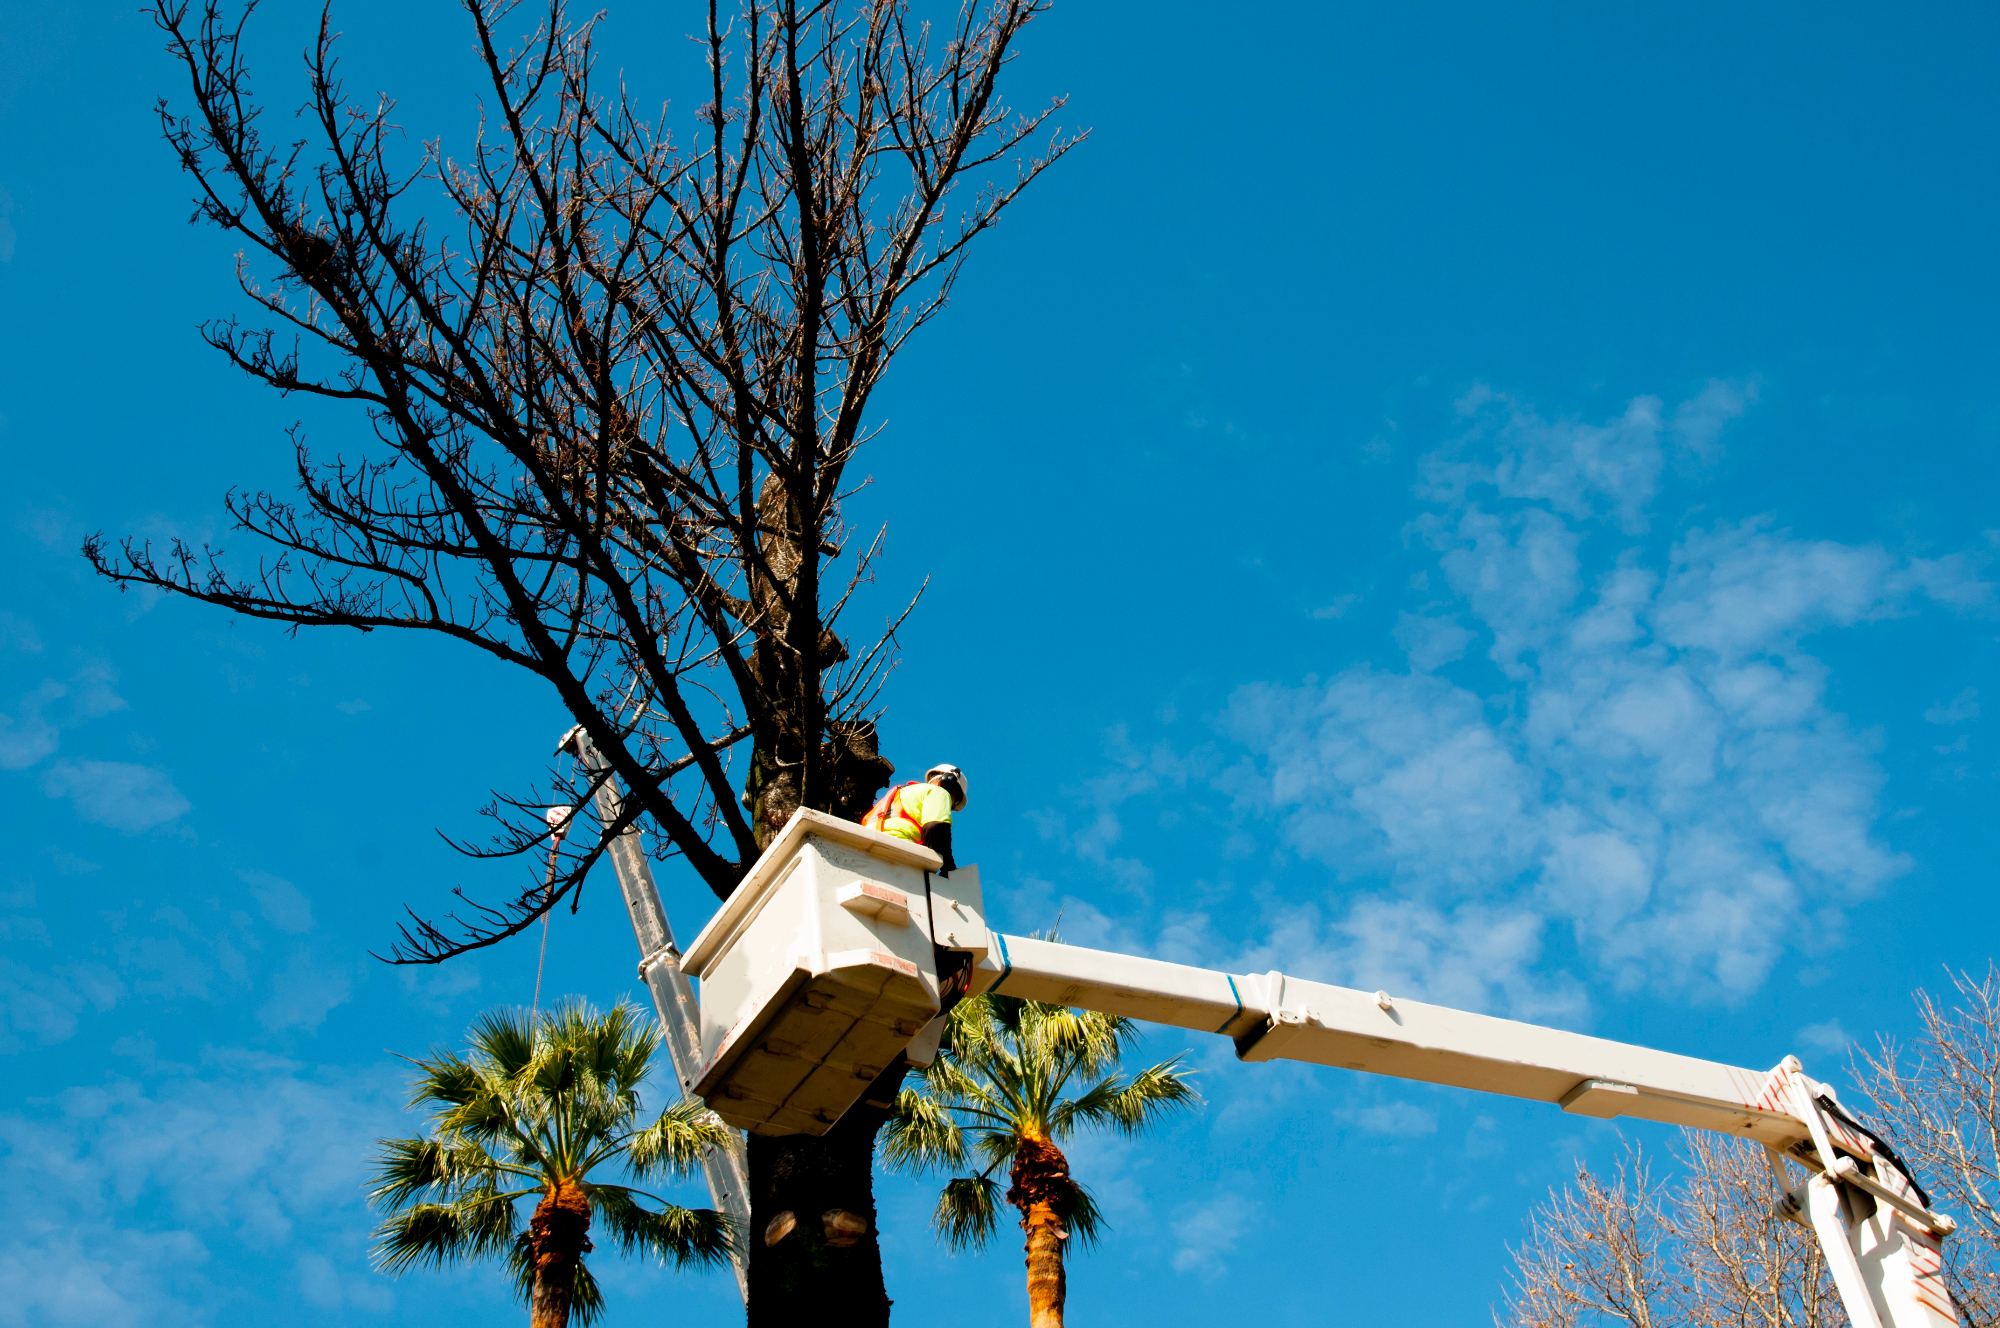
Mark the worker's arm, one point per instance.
(937, 838)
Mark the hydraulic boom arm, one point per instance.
(822, 967)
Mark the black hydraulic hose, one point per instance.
(1881, 1145)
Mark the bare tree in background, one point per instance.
(617, 383)
(1708, 1252)
(1703, 1251)
(1941, 1096)
(1594, 1255)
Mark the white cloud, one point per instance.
(1400, 1120)
(1431, 641)
(46, 1005)
(1658, 772)
(1699, 421)
(283, 904)
(27, 737)
(1209, 1230)
(304, 994)
(1963, 707)
(96, 1274)
(1576, 469)
(439, 988)
(127, 1190)
(1337, 609)
(1828, 1037)
(31, 735)
(121, 795)
(326, 1286)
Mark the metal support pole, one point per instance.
(727, 1169)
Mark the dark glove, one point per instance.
(937, 838)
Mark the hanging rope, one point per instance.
(558, 818)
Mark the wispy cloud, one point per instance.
(1659, 772)
(283, 904)
(117, 794)
(45, 1004)
(32, 733)
(305, 993)
(1959, 710)
(128, 1188)
(1829, 1037)
(1208, 1230)
(1570, 467)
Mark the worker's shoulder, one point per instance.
(934, 802)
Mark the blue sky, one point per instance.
(1492, 504)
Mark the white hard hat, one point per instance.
(954, 774)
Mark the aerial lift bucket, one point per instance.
(820, 970)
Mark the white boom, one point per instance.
(822, 967)
(660, 969)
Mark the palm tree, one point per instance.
(997, 1094)
(535, 1106)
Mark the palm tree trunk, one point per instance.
(1043, 1192)
(1047, 1286)
(559, 1234)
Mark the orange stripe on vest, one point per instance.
(891, 808)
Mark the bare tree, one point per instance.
(1594, 1254)
(1941, 1097)
(1744, 1267)
(1703, 1251)
(617, 382)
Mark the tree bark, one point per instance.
(559, 1234)
(1045, 1195)
(803, 1278)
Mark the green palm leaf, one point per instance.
(1005, 1077)
(968, 1209)
(679, 1236)
(530, 1109)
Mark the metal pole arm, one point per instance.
(1272, 1016)
(726, 1169)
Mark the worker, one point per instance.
(922, 811)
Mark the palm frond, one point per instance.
(1086, 1220)
(536, 1103)
(1004, 1077)
(435, 1235)
(445, 1078)
(505, 1040)
(1128, 1107)
(960, 1083)
(673, 1144)
(447, 1168)
(967, 1211)
(683, 1237)
(1079, 1041)
(922, 1135)
(997, 1147)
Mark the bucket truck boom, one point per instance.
(726, 1170)
(822, 967)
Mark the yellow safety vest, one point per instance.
(896, 815)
